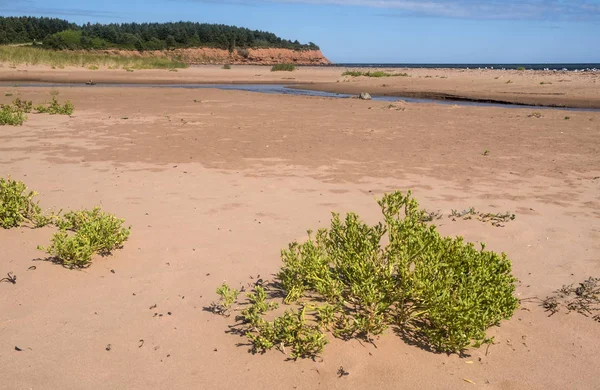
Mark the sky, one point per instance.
(376, 31)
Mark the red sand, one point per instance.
(213, 189)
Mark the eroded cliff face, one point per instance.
(196, 56)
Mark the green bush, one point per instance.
(283, 68)
(14, 114)
(227, 66)
(55, 108)
(289, 330)
(22, 105)
(521, 68)
(17, 205)
(228, 297)
(440, 292)
(84, 233)
(8, 116)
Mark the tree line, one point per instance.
(62, 35)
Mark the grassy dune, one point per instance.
(18, 55)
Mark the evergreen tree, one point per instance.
(61, 34)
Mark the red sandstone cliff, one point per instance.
(239, 56)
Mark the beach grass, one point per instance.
(23, 55)
(378, 73)
(283, 68)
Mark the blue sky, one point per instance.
(407, 31)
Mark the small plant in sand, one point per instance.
(227, 67)
(545, 83)
(55, 108)
(84, 233)
(283, 68)
(394, 107)
(93, 67)
(14, 114)
(12, 117)
(355, 280)
(535, 115)
(521, 68)
(18, 207)
(567, 118)
(228, 297)
(486, 152)
(509, 82)
(583, 299)
(22, 105)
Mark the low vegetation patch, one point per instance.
(283, 68)
(17, 55)
(355, 281)
(12, 117)
(83, 234)
(583, 299)
(228, 297)
(378, 73)
(395, 107)
(17, 206)
(55, 108)
(14, 114)
(227, 66)
(22, 105)
(496, 219)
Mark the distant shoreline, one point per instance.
(553, 67)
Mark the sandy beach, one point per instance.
(544, 88)
(215, 183)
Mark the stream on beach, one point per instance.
(297, 90)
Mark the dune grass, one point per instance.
(378, 73)
(34, 56)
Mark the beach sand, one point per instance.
(566, 89)
(215, 183)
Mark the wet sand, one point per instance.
(214, 183)
(562, 89)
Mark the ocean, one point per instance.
(552, 67)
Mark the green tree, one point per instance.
(170, 42)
